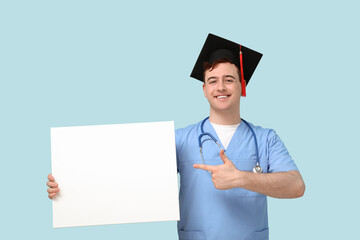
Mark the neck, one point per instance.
(225, 118)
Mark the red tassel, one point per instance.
(243, 84)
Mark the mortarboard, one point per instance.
(216, 48)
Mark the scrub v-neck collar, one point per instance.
(235, 138)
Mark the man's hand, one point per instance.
(278, 184)
(53, 187)
(224, 176)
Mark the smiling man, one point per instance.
(224, 186)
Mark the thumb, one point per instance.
(223, 156)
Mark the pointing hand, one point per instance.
(224, 176)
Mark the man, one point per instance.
(223, 193)
(228, 199)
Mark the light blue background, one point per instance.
(66, 63)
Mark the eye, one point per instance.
(212, 81)
(229, 80)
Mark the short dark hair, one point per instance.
(211, 66)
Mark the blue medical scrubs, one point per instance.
(234, 214)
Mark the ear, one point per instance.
(204, 89)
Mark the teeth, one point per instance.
(221, 97)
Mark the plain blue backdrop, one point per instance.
(70, 63)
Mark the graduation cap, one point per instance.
(216, 48)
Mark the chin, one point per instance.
(222, 109)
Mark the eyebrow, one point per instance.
(231, 76)
(211, 78)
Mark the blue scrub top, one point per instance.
(212, 214)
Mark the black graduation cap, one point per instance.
(216, 48)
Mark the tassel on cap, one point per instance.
(243, 84)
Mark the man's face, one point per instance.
(222, 88)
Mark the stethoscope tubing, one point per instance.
(257, 168)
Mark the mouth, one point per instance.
(222, 96)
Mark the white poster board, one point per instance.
(110, 174)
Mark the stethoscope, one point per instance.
(256, 169)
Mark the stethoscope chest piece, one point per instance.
(257, 168)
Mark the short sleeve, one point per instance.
(279, 158)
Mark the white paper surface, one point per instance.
(110, 174)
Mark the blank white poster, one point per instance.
(111, 174)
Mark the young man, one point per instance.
(223, 193)
(228, 199)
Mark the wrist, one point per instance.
(240, 179)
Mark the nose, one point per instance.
(221, 86)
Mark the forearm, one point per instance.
(278, 185)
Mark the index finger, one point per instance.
(51, 178)
(205, 167)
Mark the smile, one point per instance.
(222, 96)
